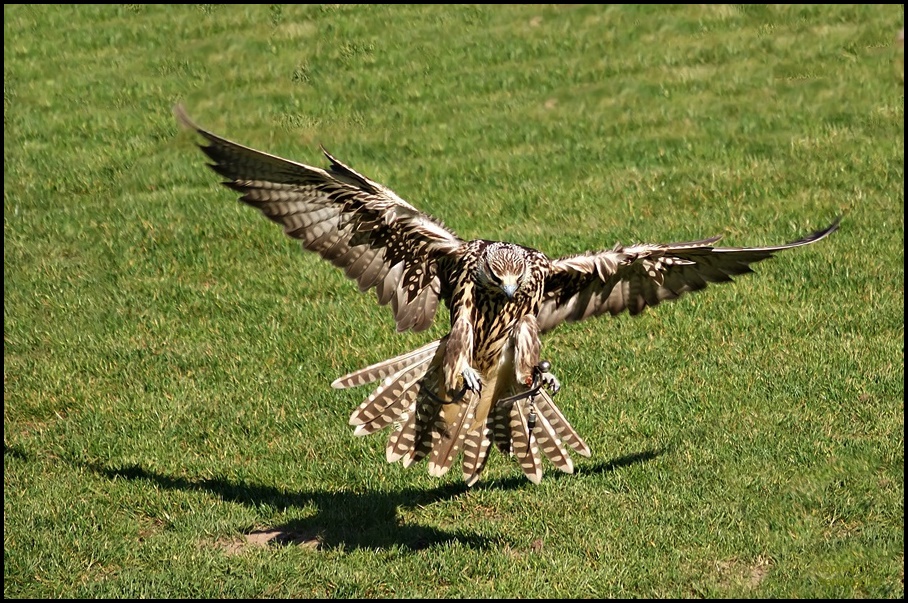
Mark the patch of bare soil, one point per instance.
(740, 573)
(265, 538)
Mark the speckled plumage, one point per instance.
(459, 396)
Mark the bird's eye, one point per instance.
(493, 278)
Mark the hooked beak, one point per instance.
(509, 290)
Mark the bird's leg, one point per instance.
(471, 382)
(458, 354)
(526, 351)
(543, 376)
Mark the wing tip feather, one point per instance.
(183, 118)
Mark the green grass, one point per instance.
(167, 351)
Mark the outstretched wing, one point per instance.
(634, 278)
(379, 239)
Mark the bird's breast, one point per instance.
(493, 323)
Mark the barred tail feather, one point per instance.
(500, 424)
(408, 440)
(476, 448)
(388, 400)
(525, 447)
(551, 445)
(385, 368)
(452, 435)
(403, 438)
(400, 403)
(560, 425)
(424, 436)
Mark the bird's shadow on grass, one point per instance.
(348, 520)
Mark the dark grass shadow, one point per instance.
(349, 520)
(14, 452)
(345, 520)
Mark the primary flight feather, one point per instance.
(483, 383)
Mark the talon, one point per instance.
(549, 380)
(543, 377)
(471, 380)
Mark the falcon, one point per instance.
(483, 384)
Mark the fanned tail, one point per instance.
(426, 423)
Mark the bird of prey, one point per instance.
(483, 383)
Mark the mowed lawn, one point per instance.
(169, 428)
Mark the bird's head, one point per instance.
(502, 268)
